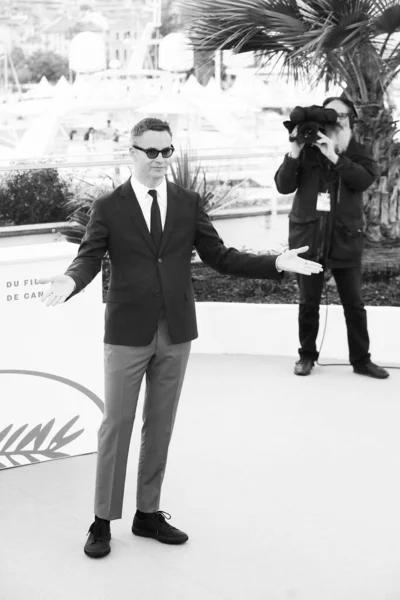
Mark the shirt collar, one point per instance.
(141, 190)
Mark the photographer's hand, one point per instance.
(296, 148)
(327, 147)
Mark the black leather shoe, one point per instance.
(98, 543)
(371, 370)
(155, 526)
(303, 366)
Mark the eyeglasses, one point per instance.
(153, 152)
(342, 116)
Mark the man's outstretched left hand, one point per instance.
(291, 262)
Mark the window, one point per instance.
(117, 54)
(117, 36)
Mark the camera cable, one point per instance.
(347, 364)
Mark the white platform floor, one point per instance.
(288, 487)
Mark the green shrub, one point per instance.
(34, 196)
(188, 172)
(79, 206)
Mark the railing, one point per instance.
(41, 228)
(122, 157)
(256, 166)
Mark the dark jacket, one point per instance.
(334, 237)
(142, 280)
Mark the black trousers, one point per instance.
(348, 281)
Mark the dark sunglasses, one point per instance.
(153, 152)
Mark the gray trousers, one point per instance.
(164, 364)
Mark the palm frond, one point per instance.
(388, 20)
(319, 33)
(352, 43)
(187, 172)
(284, 20)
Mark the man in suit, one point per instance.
(149, 227)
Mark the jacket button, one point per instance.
(157, 293)
(160, 260)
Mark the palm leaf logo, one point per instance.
(40, 441)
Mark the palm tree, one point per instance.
(350, 43)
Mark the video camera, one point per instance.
(309, 121)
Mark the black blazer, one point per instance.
(142, 280)
(335, 236)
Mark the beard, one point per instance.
(341, 137)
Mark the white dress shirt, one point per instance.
(145, 200)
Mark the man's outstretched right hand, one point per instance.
(61, 286)
(290, 261)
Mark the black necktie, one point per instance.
(155, 220)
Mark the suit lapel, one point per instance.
(132, 207)
(172, 211)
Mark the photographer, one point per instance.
(329, 171)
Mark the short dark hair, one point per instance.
(149, 124)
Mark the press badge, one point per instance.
(324, 201)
